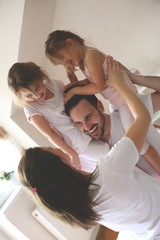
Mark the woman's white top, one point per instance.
(128, 199)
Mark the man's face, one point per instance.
(88, 119)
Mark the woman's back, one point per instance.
(129, 199)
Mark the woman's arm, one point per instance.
(106, 233)
(139, 128)
(42, 125)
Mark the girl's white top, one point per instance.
(53, 111)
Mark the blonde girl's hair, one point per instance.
(21, 75)
(56, 41)
(60, 189)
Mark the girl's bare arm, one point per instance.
(42, 125)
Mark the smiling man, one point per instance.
(87, 113)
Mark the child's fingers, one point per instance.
(115, 65)
(76, 164)
(78, 167)
(65, 100)
(109, 63)
(63, 91)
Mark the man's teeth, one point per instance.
(93, 129)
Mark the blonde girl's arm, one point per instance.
(93, 61)
(138, 130)
(42, 125)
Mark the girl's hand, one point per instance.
(68, 86)
(75, 161)
(69, 95)
(72, 76)
(129, 73)
(115, 76)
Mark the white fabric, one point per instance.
(53, 111)
(153, 138)
(128, 199)
(96, 149)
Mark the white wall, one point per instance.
(37, 21)
(19, 213)
(11, 13)
(126, 29)
(8, 231)
(24, 26)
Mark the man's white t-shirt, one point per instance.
(128, 199)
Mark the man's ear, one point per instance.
(69, 42)
(100, 106)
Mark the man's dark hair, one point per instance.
(92, 99)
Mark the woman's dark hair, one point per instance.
(60, 189)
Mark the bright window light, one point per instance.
(10, 156)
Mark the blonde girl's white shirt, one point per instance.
(128, 199)
(53, 111)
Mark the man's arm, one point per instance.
(146, 81)
(149, 82)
